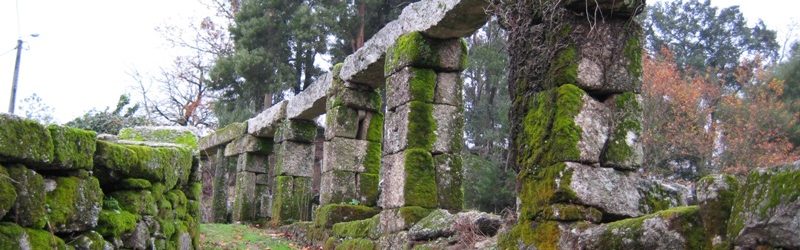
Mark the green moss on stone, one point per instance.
(90, 240)
(356, 244)
(633, 54)
(194, 191)
(114, 223)
(330, 214)
(291, 200)
(160, 134)
(564, 69)
(541, 235)
(11, 236)
(421, 126)
(618, 152)
(372, 160)
(375, 129)
(165, 210)
(627, 234)
(549, 133)
(368, 189)
(135, 183)
(73, 201)
(73, 148)
(366, 228)
(449, 175)
(422, 85)
(541, 187)
(570, 212)
(8, 194)
(41, 239)
(464, 60)
(296, 130)
(167, 227)
(179, 202)
(25, 140)
(138, 202)
(761, 193)
(330, 243)
(413, 214)
(420, 184)
(158, 190)
(410, 49)
(29, 208)
(115, 157)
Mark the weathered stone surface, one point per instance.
(344, 154)
(619, 193)
(170, 134)
(15, 237)
(410, 84)
(224, 135)
(608, 55)
(443, 19)
(715, 197)
(448, 89)
(29, 209)
(136, 202)
(363, 98)
(264, 201)
(396, 130)
(244, 207)
(138, 238)
(249, 144)
(25, 141)
(399, 219)
(90, 241)
(393, 241)
(337, 186)
(342, 121)
(393, 179)
(223, 171)
(766, 211)
(296, 131)
(73, 148)
(416, 50)
(449, 129)
(366, 228)
(167, 164)
(262, 179)
(74, 205)
(439, 223)
(265, 123)
(330, 214)
(250, 162)
(449, 175)
(569, 212)
(676, 228)
(593, 123)
(292, 199)
(624, 148)
(310, 103)
(8, 194)
(294, 159)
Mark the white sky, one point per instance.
(85, 47)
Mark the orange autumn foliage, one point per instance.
(691, 117)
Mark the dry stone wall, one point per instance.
(62, 188)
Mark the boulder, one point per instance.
(90, 240)
(29, 209)
(74, 204)
(25, 141)
(438, 223)
(73, 148)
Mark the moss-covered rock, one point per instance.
(414, 49)
(356, 244)
(135, 184)
(114, 161)
(438, 223)
(766, 209)
(570, 212)
(73, 148)
(420, 184)
(410, 84)
(330, 214)
(297, 131)
(291, 200)
(366, 228)
(8, 193)
(341, 121)
(29, 209)
(538, 235)
(179, 203)
(715, 196)
(41, 239)
(194, 191)
(136, 201)
(549, 132)
(90, 241)
(623, 149)
(368, 189)
(677, 228)
(25, 141)
(223, 135)
(449, 175)
(176, 135)
(115, 223)
(543, 186)
(74, 204)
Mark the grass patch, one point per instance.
(234, 236)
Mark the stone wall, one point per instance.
(63, 188)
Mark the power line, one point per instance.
(9, 51)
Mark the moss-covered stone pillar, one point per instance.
(352, 147)
(576, 116)
(424, 124)
(223, 168)
(251, 154)
(293, 169)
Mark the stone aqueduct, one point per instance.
(391, 172)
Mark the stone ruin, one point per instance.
(391, 175)
(66, 188)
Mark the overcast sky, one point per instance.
(86, 47)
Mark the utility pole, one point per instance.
(16, 75)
